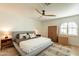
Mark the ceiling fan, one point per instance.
(43, 13)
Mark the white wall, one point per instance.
(18, 17)
(58, 22)
(18, 22)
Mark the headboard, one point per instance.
(14, 33)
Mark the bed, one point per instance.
(40, 46)
(32, 46)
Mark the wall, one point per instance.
(57, 22)
(19, 17)
(18, 22)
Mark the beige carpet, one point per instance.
(56, 50)
(9, 52)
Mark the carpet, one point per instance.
(9, 52)
(56, 50)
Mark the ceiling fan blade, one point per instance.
(49, 15)
(38, 11)
(43, 13)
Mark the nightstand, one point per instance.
(6, 43)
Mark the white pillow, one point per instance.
(27, 36)
(32, 35)
(21, 35)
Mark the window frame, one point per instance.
(75, 27)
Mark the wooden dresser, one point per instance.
(63, 40)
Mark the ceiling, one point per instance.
(28, 10)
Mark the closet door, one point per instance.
(52, 33)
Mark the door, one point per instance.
(52, 33)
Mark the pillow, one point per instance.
(24, 36)
(27, 36)
(21, 37)
(32, 35)
(17, 36)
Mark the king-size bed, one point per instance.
(28, 44)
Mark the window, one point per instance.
(68, 28)
(63, 29)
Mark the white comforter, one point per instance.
(34, 44)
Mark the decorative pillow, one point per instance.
(32, 35)
(28, 36)
(17, 36)
(22, 35)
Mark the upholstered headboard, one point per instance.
(14, 33)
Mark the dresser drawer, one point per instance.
(63, 40)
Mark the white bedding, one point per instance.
(31, 45)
